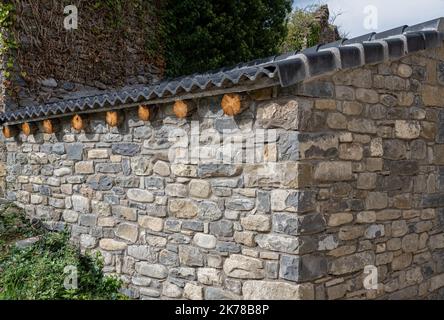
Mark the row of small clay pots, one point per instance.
(231, 105)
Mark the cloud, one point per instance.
(391, 13)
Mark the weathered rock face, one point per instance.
(350, 180)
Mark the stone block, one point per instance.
(374, 231)
(366, 181)
(126, 213)
(84, 167)
(436, 241)
(151, 223)
(280, 114)
(112, 245)
(200, 189)
(402, 261)
(183, 170)
(333, 171)
(162, 169)
(126, 149)
(140, 195)
(245, 238)
(258, 222)
(351, 151)
(336, 120)
(212, 293)
(98, 154)
(240, 204)
(351, 263)
(376, 200)
(191, 256)
(142, 252)
(81, 204)
(287, 244)
(209, 276)
(207, 211)
(325, 104)
(285, 175)
(303, 268)
(338, 219)
(205, 241)
(74, 151)
(127, 231)
(352, 108)
(176, 190)
(100, 182)
(142, 166)
(298, 225)
(243, 267)
(218, 170)
(192, 291)
(271, 290)
(361, 125)
(351, 232)
(222, 228)
(156, 271)
(171, 290)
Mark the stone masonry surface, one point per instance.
(358, 181)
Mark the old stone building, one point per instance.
(327, 183)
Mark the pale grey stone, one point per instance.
(268, 290)
(156, 271)
(140, 195)
(81, 204)
(142, 252)
(200, 189)
(243, 267)
(209, 211)
(191, 256)
(206, 241)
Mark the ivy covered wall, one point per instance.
(117, 43)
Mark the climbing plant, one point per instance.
(7, 40)
(116, 42)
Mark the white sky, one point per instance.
(391, 13)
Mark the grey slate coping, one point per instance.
(287, 69)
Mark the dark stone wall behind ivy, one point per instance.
(117, 43)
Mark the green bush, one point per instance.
(14, 226)
(37, 272)
(303, 30)
(206, 34)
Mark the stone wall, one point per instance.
(116, 44)
(328, 178)
(373, 142)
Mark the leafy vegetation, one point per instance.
(7, 40)
(304, 28)
(184, 36)
(207, 34)
(14, 226)
(37, 271)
